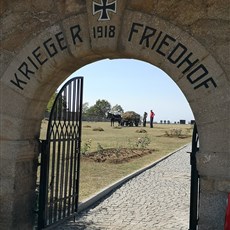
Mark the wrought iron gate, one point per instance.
(60, 156)
(194, 190)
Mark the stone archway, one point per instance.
(62, 37)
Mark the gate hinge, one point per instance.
(41, 145)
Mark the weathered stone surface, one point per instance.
(43, 42)
(212, 203)
(18, 177)
(222, 185)
(23, 218)
(208, 161)
(6, 210)
(104, 35)
(210, 184)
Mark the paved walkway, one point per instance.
(157, 199)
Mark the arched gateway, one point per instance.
(43, 42)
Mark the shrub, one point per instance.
(99, 147)
(173, 133)
(141, 131)
(86, 146)
(117, 127)
(98, 129)
(143, 142)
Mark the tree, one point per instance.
(85, 107)
(117, 109)
(102, 107)
(99, 109)
(62, 103)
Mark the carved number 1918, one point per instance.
(104, 31)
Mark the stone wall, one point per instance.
(43, 42)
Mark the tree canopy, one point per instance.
(117, 109)
(99, 109)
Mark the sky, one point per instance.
(136, 86)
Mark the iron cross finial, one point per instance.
(104, 7)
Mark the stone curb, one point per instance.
(96, 197)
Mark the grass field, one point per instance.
(163, 138)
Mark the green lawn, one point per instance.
(95, 176)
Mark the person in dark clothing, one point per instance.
(144, 119)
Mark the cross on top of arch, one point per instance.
(104, 8)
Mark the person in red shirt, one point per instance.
(227, 217)
(152, 114)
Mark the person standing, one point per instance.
(144, 119)
(152, 114)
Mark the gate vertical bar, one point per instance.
(79, 118)
(194, 189)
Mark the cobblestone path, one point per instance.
(157, 199)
